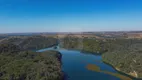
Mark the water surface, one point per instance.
(74, 65)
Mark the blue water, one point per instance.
(74, 65)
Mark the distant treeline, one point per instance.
(32, 42)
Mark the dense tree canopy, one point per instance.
(32, 42)
(18, 63)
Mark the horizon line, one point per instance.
(68, 32)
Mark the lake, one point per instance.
(84, 66)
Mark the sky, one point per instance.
(18, 16)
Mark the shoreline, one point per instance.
(121, 72)
(64, 76)
(59, 57)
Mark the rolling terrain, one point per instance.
(124, 54)
(19, 61)
(122, 50)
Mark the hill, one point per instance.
(18, 63)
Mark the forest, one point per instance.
(125, 55)
(18, 62)
(91, 45)
(31, 42)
